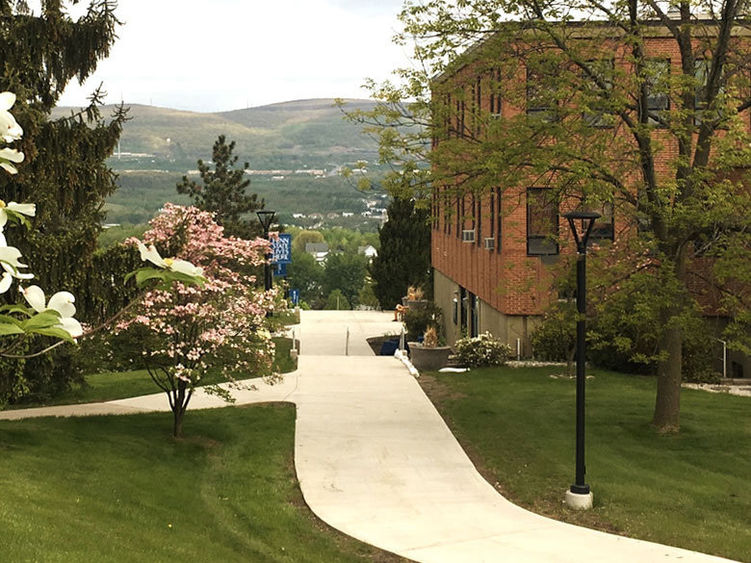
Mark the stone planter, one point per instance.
(414, 304)
(428, 359)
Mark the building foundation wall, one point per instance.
(514, 330)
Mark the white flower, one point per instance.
(28, 209)
(9, 260)
(10, 155)
(9, 256)
(151, 254)
(10, 130)
(62, 302)
(183, 267)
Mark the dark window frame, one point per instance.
(499, 219)
(659, 102)
(544, 112)
(601, 119)
(604, 229)
(542, 244)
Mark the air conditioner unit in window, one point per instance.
(490, 243)
(468, 235)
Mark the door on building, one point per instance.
(474, 315)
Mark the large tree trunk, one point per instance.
(668, 403)
(669, 371)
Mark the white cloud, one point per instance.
(178, 53)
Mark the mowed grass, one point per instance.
(110, 386)
(690, 490)
(120, 488)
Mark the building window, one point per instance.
(498, 220)
(447, 116)
(701, 76)
(461, 108)
(604, 227)
(658, 88)
(597, 116)
(446, 211)
(495, 93)
(541, 101)
(542, 222)
(478, 219)
(478, 105)
(491, 207)
(459, 217)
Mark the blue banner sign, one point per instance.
(281, 249)
(294, 295)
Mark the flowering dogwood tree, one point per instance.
(187, 331)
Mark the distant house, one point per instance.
(369, 251)
(319, 250)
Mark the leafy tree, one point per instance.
(300, 239)
(223, 191)
(367, 295)
(345, 272)
(404, 257)
(337, 301)
(65, 171)
(662, 143)
(306, 275)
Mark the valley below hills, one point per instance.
(294, 150)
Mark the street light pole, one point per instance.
(266, 218)
(579, 494)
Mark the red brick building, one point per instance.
(493, 247)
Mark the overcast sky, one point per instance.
(228, 54)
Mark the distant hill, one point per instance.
(298, 144)
(288, 134)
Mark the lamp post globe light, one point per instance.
(579, 495)
(266, 218)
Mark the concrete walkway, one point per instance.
(376, 461)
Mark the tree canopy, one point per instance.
(223, 191)
(65, 172)
(639, 107)
(404, 258)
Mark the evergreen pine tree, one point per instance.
(223, 191)
(404, 257)
(65, 171)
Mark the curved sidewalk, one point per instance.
(376, 461)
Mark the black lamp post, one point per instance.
(266, 217)
(579, 495)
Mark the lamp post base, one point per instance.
(579, 501)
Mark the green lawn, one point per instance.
(110, 386)
(691, 490)
(119, 488)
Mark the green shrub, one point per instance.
(420, 316)
(481, 351)
(554, 339)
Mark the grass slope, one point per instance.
(689, 490)
(119, 488)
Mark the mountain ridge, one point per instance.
(310, 131)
